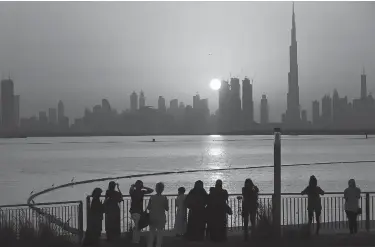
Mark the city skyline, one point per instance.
(309, 29)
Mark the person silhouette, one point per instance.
(314, 204)
(249, 205)
(352, 194)
(112, 218)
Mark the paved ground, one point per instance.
(324, 240)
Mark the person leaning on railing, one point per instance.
(314, 204)
(95, 219)
(137, 192)
(249, 205)
(352, 194)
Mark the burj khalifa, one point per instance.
(292, 116)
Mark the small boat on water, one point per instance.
(153, 140)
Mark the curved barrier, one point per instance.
(74, 230)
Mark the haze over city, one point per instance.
(83, 52)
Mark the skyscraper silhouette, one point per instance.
(264, 110)
(315, 112)
(292, 116)
(52, 116)
(363, 85)
(247, 103)
(161, 104)
(134, 102)
(7, 104)
(142, 100)
(60, 112)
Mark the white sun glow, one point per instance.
(215, 84)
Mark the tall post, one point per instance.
(367, 211)
(276, 200)
(80, 221)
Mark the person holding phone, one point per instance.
(137, 192)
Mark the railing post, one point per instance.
(368, 211)
(80, 221)
(87, 210)
(276, 199)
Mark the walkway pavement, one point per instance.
(362, 239)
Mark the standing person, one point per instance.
(196, 201)
(95, 219)
(181, 219)
(249, 205)
(157, 206)
(217, 212)
(352, 194)
(112, 216)
(137, 192)
(314, 204)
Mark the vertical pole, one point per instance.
(80, 221)
(276, 200)
(88, 202)
(368, 211)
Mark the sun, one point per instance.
(215, 84)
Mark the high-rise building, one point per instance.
(43, 117)
(315, 112)
(7, 104)
(60, 112)
(181, 105)
(292, 116)
(161, 104)
(52, 116)
(196, 100)
(235, 104)
(106, 107)
(173, 104)
(203, 106)
(363, 86)
(264, 110)
(224, 106)
(326, 110)
(134, 102)
(17, 110)
(142, 100)
(247, 102)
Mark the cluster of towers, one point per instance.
(337, 112)
(234, 114)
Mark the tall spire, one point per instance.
(293, 25)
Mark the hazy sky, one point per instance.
(81, 52)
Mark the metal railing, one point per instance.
(63, 218)
(293, 211)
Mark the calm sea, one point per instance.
(33, 164)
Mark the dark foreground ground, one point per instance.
(362, 239)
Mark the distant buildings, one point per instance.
(264, 110)
(43, 118)
(315, 112)
(161, 104)
(60, 112)
(247, 103)
(326, 118)
(134, 102)
(142, 100)
(52, 116)
(7, 105)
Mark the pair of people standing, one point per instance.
(157, 206)
(207, 209)
(110, 208)
(352, 195)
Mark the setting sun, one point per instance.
(215, 84)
